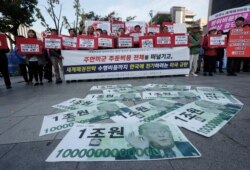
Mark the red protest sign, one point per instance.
(29, 45)
(180, 40)
(239, 43)
(53, 42)
(125, 41)
(217, 41)
(87, 42)
(69, 43)
(146, 42)
(105, 41)
(153, 28)
(170, 26)
(136, 36)
(3, 42)
(164, 40)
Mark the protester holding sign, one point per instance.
(220, 54)
(56, 59)
(90, 30)
(4, 67)
(194, 45)
(210, 54)
(233, 64)
(164, 29)
(35, 63)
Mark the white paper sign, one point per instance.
(52, 43)
(29, 48)
(105, 42)
(147, 43)
(163, 40)
(86, 43)
(125, 42)
(181, 39)
(69, 41)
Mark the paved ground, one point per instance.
(23, 107)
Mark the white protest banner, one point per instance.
(113, 86)
(168, 87)
(203, 117)
(57, 122)
(148, 111)
(116, 142)
(129, 62)
(53, 42)
(131, 25)
(74, 104)
(69, 42)
(107, 42)
(104, 25)
(217, 95)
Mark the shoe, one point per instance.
(234, 74)
(210, 74)
(195, 75)
(205, 74)
(187, 75)
(221, 71)
(49, 81)
(8, 87)
(36, 84)
(58, 81)
(41, 83)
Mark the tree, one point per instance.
(15, 13)
(130, 18)
(56, 18)
(159, 19)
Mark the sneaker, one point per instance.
(204, 74)
(58, 81)
(210, 74)
(195, 75)
(36, 84)
(49, 81)
(187, 75)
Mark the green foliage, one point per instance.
(14, 13)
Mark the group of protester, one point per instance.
(39, 67)
(213, 57)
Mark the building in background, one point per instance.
(161, 16)
(216, 6)
(201, 22)
(182, 15)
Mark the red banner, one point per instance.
(29, 45)
(105, 41)
(87, 42)
(164, 40)
(125, 41)
(69, 43)
(52, 42)
(153, 28)
(146, 41)
(3, 42)
(239, 43)
(217, 41)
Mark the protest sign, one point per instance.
(115, 97)
(69, 43)
(148, 111)
(29, 45)
(164, 40)
(180, 40)
(128, 62)
(116, 25)
(153, 29)
(101, 110)
(87, 42)
(217, 95)
(113, 86)
(131, 25)
(225, 20)
(74, 104)
(53, 42)
(3, 41)
(217, 41)
(146, 41)
(170, 26)
(104, 25)
(113, 142)
(191, 94)
(167, 87)
(106, 41)
(239, 43)
(136, 37)
(125, 41)
(203, 117)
